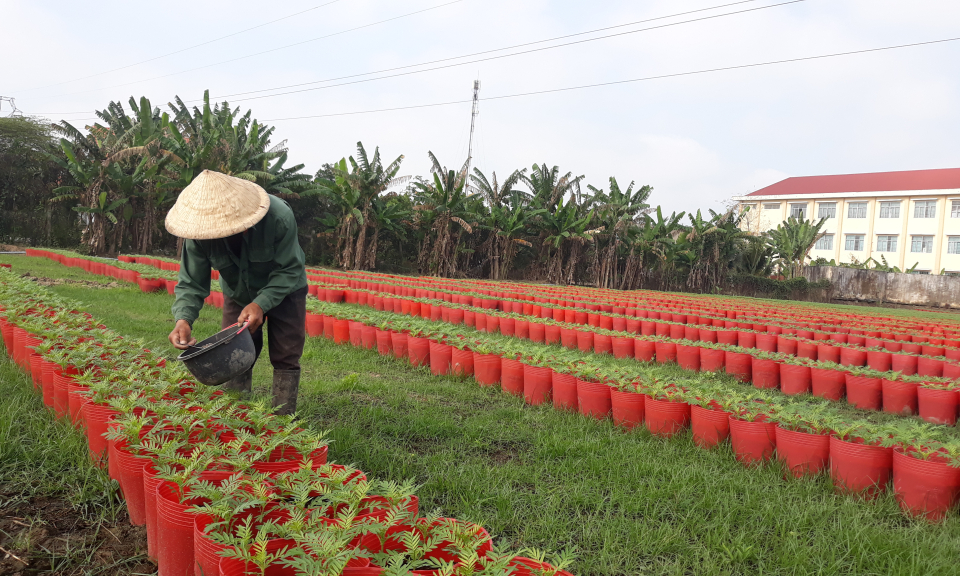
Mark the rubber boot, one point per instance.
(242, 383)
(286, 386)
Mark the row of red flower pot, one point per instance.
(923, 487)
(150, 426)
(892, 392)
(908, 362)
(605, 316)
(656, 301)
(693, 306)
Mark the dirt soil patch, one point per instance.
(49, 536)
(60, 281)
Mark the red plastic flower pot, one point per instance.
(369, 337)
(537, 384)
(766, 342)
(551, 334)
(235, 567)
(666, 352)
(174, 532)
(710, 427)
(356, 333)
(900, 397)
(747, 340)
(565, 392)
(399, 340)
(341, 331)
(418, 351)
(314, 325)
(925, 488)
(794, 379)
(853, 357)
(521, 566)
(766, 373)
(860, 468)
(828, 383)
(712, 360)
(538, 332)
(461, 362)
(456, 316)
(511, 376)
(644, 350)
(384, 342)
(328, 322)
(486, 369)
(688, 357)
(441, 356)
(904, 364)
(731, 337)
(708, 335)
(739, 365)
(602, 344)
(75, 401)
(48, 370)
(622, 347)
(753, 442)
(584, 340)
(568, 338)
(864, 392)
(61, 398)
(130, 466)
(802, 453)
(627, 408)
(664, 417)
(828, 353)
(879, 361)
(593, 399)
(521, 329)
(96, 417)
(938, 405)
(807, 350)
(787, 345)
(929, 367)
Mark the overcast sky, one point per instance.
(698, 140)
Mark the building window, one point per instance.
(825, 242)
(955, 209)
(920, 272)
(798, 211)
(886, 243)
(855, 242)
(890, 209)
(925, 209)
(922, 244)
(857, 210)
(772, 206)
(827, 210)
(953, 244)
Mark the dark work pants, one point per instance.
(285, 325)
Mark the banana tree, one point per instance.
(793, 240)
(619, 211)
(566, 232)
(442, 214)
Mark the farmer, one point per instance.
(233, 226)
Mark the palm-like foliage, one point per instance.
(792, 241)
(620, 213)
(442, 214)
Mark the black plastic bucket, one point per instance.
(222, 357)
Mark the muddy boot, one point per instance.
(242, 383)
(286, 385)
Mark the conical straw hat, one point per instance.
(215, 205)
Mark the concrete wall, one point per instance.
(871, 286)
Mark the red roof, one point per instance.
(944, 179)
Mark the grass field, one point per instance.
(628, 503)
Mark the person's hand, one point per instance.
(181, 336)
(253, 314)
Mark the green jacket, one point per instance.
(271, 265)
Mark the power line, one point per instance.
(184, 49)
(632, 80)
(490, 51)
(532, 50)
(515, 46)
(340, 33)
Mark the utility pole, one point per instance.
(12, 103)
(473, 122)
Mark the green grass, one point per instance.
(629, 503)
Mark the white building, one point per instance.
(907, 218)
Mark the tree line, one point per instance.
(120, 175)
